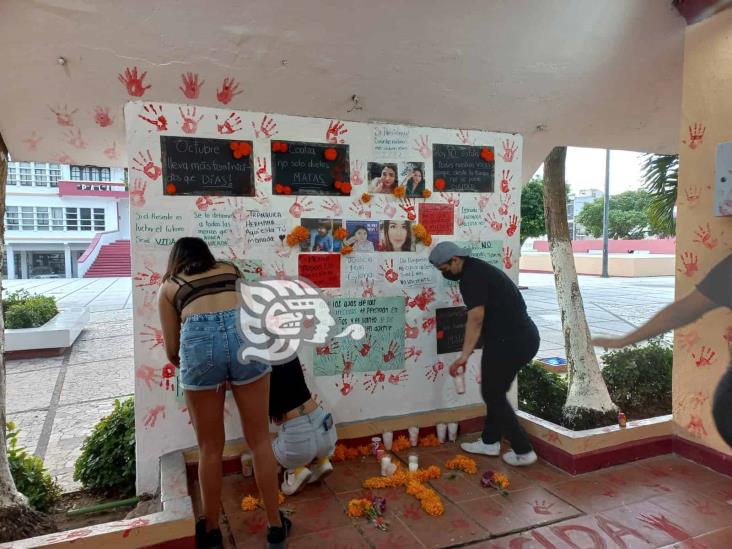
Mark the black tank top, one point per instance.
(287, 388)
(189, 291)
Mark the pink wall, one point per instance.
(665, 246)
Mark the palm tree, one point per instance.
(661, 178)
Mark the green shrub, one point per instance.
(541, 392)
(29, 474)
(107, 460)
(23, 310)
(639, 379)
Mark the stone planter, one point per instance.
(51, 339)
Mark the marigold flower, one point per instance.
(426, 193)
(439, 184)
(339, 454)
(486, 153)
(429, 440)
(400, 191)
(365, 450)
(365, 198)
(358, 507)
(427, 240)
(249, 503)
(340, 233)
(462, 463)
(401, 443)
(330, 154)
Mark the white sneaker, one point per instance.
(321, 470)
(294, 481)
(518, 460)
(480, 447)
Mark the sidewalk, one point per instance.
(56, 401)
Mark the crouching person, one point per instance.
(307, 435)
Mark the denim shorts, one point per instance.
(304, 438)
(209, 349)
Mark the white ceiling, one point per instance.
(596, 73)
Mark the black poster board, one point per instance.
(463, 168)
(304, 168)
(450, 330)
(196, 166)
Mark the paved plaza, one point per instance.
(56, 401)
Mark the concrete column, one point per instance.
(23, 264)
(67, 261)
(10, 261)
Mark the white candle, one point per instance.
(388, 437)
(413, 436)
(413, 467)
(441, 432)
(385, 466)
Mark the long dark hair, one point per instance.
(189, 255)
(388, 246)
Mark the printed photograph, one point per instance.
(396, 236)
(362, 235)
(322, 235)
(383, 177)
(411, 176)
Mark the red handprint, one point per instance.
(509, 150)
(507, 255)
(137, 192)
(360, 209)
(428, 324)
(188, 119)
(705, 358)
(702, 507)
(75, 139)
(155, 117)
(542, 507)
(422, 146)
(609, 492)
(388, 208)
(391, 351)
(300, 206)
(334, 132)
(692, 195)
(154, 336)
(365, 347)
(395, 379)
(506, 179)
(111, 151)
(696, 135)
(435, 371)
(346, 383)
(147, 374)
(146, 165)
(263, 175)
(146, 307)
(665, 525)
(65, 159)
(203, 203)
(493, 222)
(279, 271)
(267, 127)
(238, 211)
(390, 274)
(407, 204)
(503, 208)
(464, 137)
(231, 124)
(332, 206)
(451, 198)
(512, 225)
(228, 90)
(191, 86)
(32, 141)
(483, 200)
(367, 286)
(135, 84)
(101, 117)
(688, 339)
(347, 363)
(327, 349)
(423, 299)
(356, 178)
(63, 116)
(455, 297)
(151, 278)
(151, 418)
(372, 383)
(691, 263)
(168, 373)
(704, 237)
(411, 332)
(261, 199)
(696, 427)
(412, 352)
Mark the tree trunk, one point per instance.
(588, 396)
(9, 495)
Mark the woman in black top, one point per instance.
(714, 291)
(307, 432)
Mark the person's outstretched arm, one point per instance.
(678, 314)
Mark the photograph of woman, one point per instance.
(413, 178)
(362, 235)
(383, 177)
(396, 236)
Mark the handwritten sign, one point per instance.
(464, 168)
(159, 229)
(381, 349)
(390, 142)
(323, 270)
(304, 168)
(471, 216)
(264, 228)
(450, 330)
(358, 269)
(214, 227)
(415, 271)
(196, 166)
(437, 218)
(487, 250)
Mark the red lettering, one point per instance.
(562, 532)
(616, 531)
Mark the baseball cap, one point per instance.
(444, 251)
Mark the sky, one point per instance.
(585, 169)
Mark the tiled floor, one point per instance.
(660, 502)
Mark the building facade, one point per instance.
(575, 204)
(54, 211)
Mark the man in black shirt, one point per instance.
(714, 291)
(496, 310)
